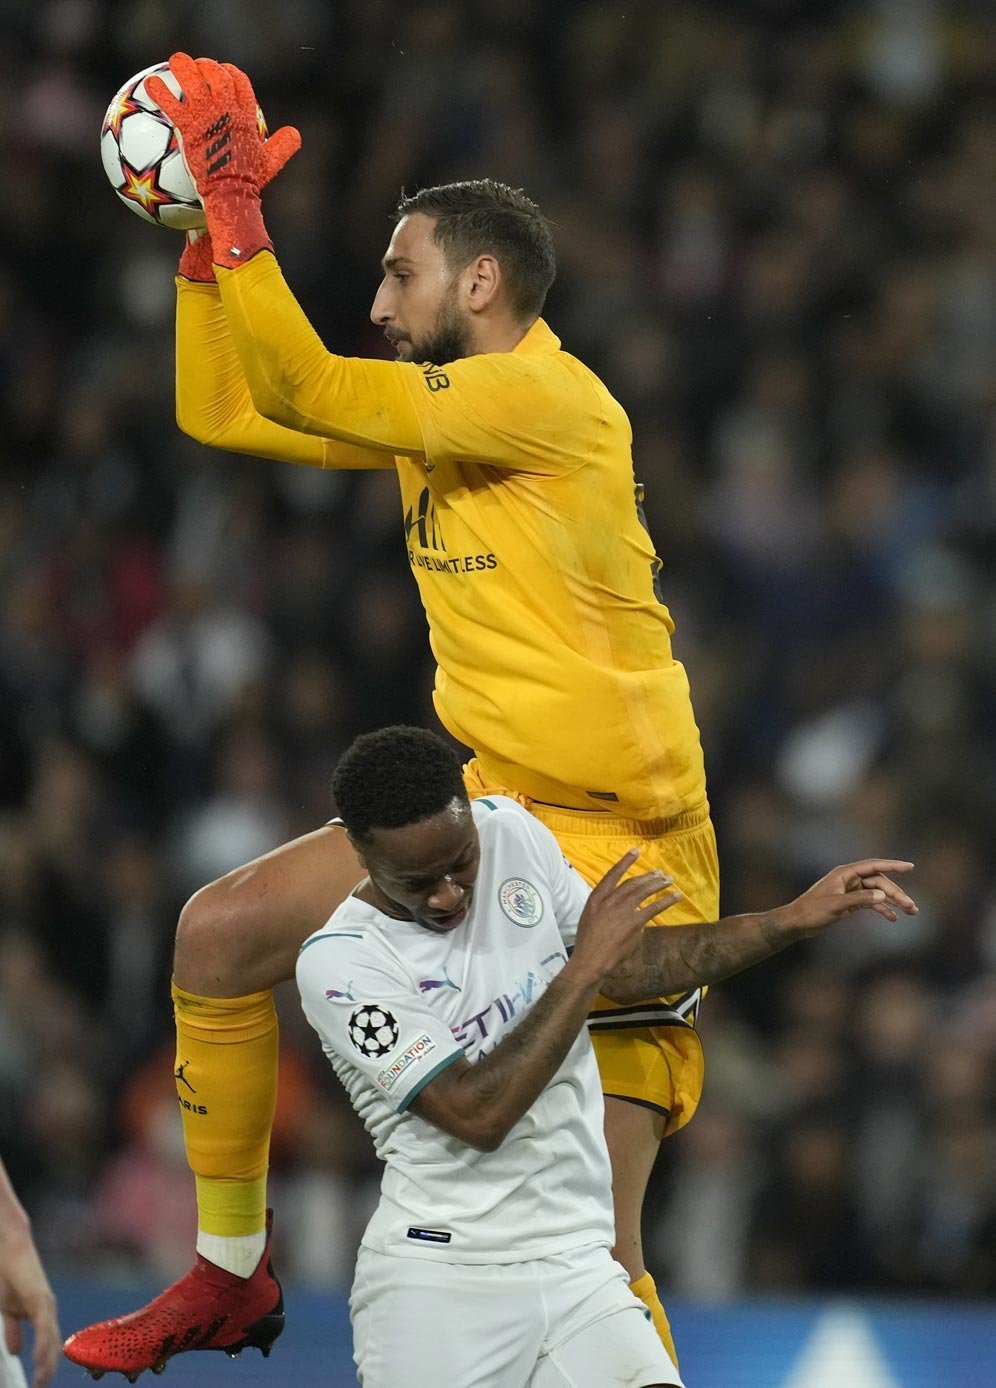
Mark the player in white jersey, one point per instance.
(396, 1003)
(450, 991)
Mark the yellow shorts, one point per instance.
(650, 1052)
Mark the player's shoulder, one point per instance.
(567, 390)
(349, 930)
(500, 816)
(497, 810)
(544, 371)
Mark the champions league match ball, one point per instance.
(142, 157)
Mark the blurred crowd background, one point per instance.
(777, 230)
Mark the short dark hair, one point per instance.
(393, 777)
(485, 217)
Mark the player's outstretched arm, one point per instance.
(675, 958)
(294, 382)
(213, 401)
(480, 1104)
(25, 1294)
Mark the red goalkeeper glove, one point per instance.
(229, 160)
(197, 259)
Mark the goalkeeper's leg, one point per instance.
(236, 939)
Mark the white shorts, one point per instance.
(569, 1321)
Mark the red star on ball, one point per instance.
(143, 189)
(122, 105)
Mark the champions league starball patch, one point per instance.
(521, 902)
(373, 1030)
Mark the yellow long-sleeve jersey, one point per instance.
(522, 524)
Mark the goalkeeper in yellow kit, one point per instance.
(524, 531)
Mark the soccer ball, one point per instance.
(373, 1030)
(142, 157)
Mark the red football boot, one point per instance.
(208, 1308)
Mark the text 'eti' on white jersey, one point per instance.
(394, 1003)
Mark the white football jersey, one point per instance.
(394, 1004)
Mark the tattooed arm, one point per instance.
(674, 958)
(680, 957)
(617, 956)
(480, 1104)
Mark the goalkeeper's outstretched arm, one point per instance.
(213, 403)
(399, 407)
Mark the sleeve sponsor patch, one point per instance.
(373, 1030)
(414, 1052)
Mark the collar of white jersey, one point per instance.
(540, 340)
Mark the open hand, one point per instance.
(854, 887)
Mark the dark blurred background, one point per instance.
(777, 230)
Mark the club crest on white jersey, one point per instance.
(521, 902)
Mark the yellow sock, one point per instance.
(226, 1082)
(646, 1290)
